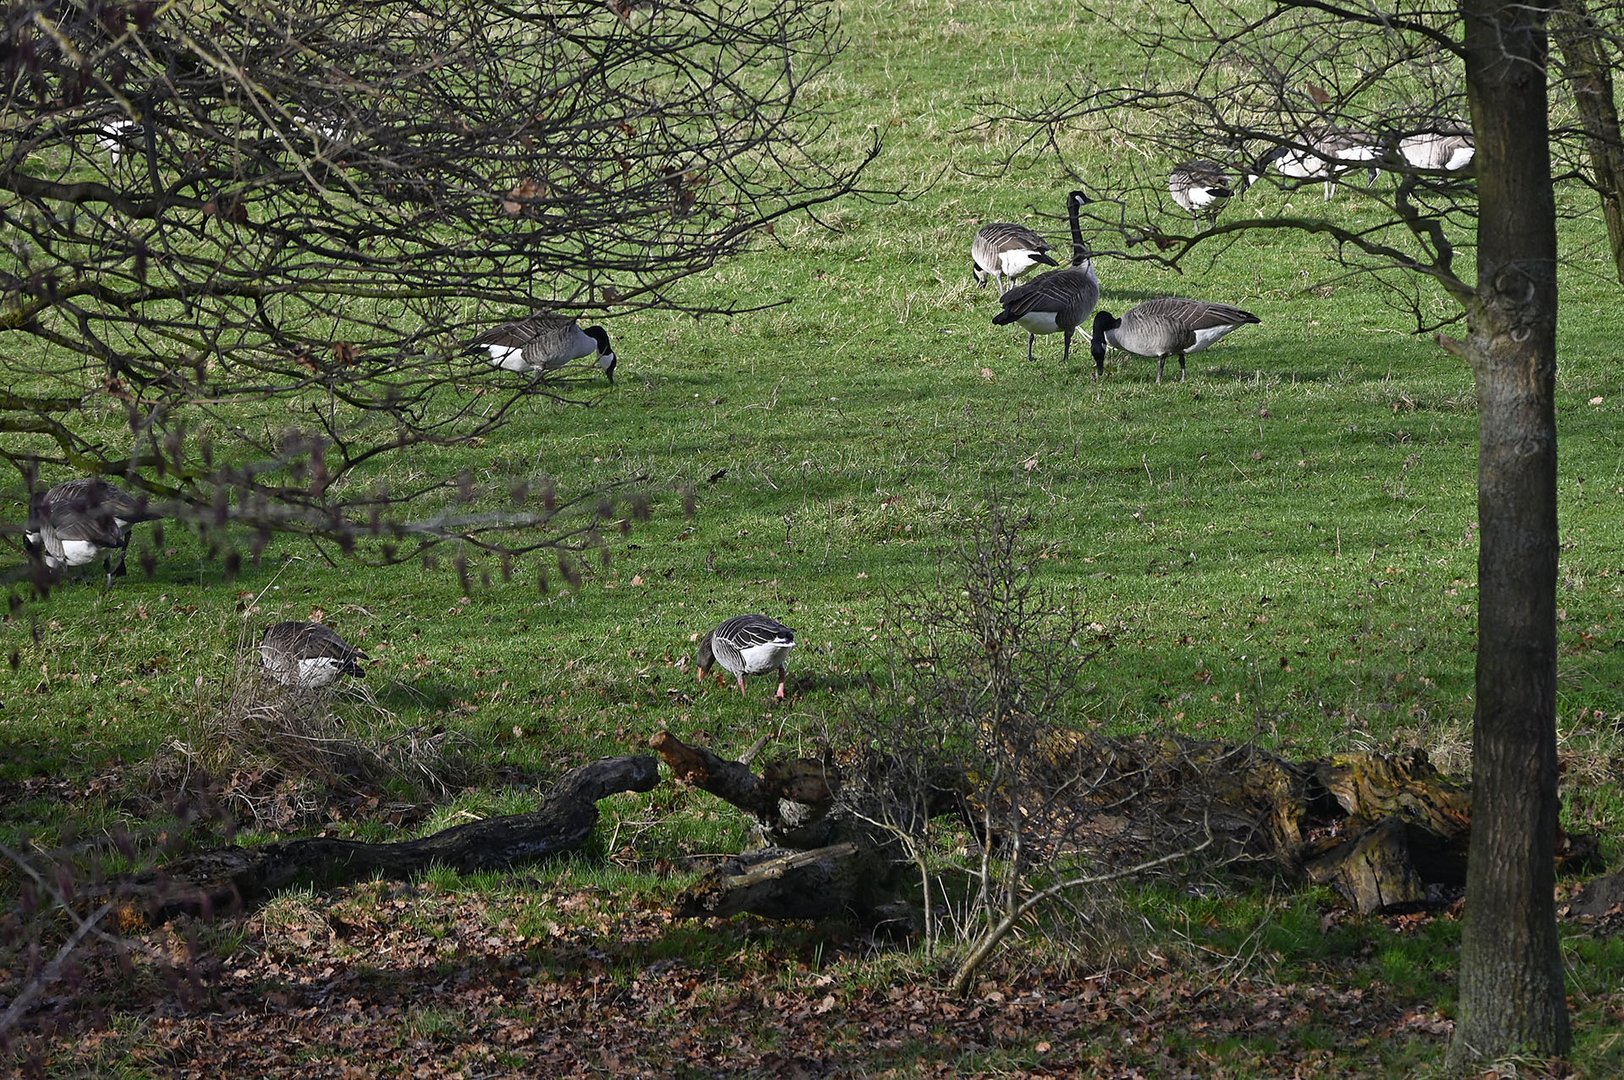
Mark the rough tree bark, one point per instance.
(1511, 992)
(1583, 45)
(232, 878)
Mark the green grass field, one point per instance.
(1280, 548)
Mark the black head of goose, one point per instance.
(75, 521)
(1056, 302)
(1201, 187)
(1004, 249)
(1166, 326)
(308, 655)
(746, 645)
(545, 342)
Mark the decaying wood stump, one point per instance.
(232, 878)
(1387, 831)
(816, 864)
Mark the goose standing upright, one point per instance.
(1004, 249)
(308, 655)
(1166, 326)
(545, 342)
(746, 645)
(1201, 187)
(73, 522)
(1056, 302)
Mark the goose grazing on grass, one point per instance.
(1326, 157)
(1006, 250)
(1168, 326)
(307, 655)
(747, 645)
(77, 520)
(1056, 302)
(1201, 187)
(1448, 151)
(116, 136)
(543, 343)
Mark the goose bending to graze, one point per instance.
(1326, 157)
(747, 645)
(75, 521)
(115, 135)
(1006, 250)
(1056, 302)
(1445, 151)
(1167, 326)
(1201, 187)
(545, 342)
(308, 655)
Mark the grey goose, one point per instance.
(1004, 249)
(73, 522)
(1056, 302)
(1325, 156)
(115, 136)
(307, 655)
(746, 645)
(1163, 327)
(1445, 151)
(545, 342)
(1201, 187)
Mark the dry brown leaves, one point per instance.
(406, 980)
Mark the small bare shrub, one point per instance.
(986, 771)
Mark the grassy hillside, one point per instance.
(1281, 547)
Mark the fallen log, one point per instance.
(1387, 831)
(233, 878)
(818, 862)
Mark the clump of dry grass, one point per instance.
(286, 758)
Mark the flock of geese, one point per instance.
(73, 523)
(1058, 301)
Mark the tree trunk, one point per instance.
(1584, 59)
(1511, 993)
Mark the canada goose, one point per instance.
(76, 520)
(1448, 151)
(1058, 301)
(1004, 249)
(307, 655)
(543, 343)
(747, 645)
(1201, 187)
(1327, 156)
(115, 136)
(1166, 326)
